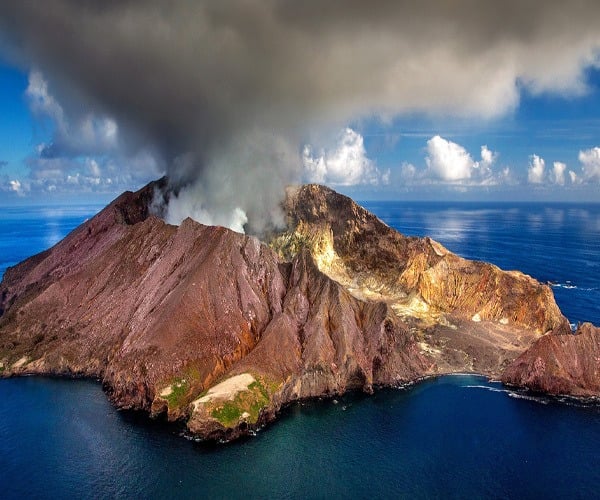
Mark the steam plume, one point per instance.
(224, 93)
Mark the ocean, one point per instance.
(451, 437)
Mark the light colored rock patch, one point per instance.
(226, 390)
(167, 391)
(427, 349)
(415, 306)
(20, 362)
(476, 318)
(438, 248)
(323, 252)
(504, 321)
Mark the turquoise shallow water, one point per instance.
(453, 437)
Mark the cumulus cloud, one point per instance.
(450, 162)
(73, 135)
(346, 164)
(558, 173)
(192, 80)
(560, 176)
(40, 100)
(488, 158)
(536, 169)
(590, 161)
(84, 153)
(16, 186)
(408, 172)
(104, 175)
(573, 177)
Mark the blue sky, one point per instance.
(554, 127)
(447, 103)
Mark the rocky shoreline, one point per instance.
(221, 330)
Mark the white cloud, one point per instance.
(93, 168)
(408, 172)
(86, 174)
(590, 160)
(447, 160)
(573, 177)
(345, 165)
(41, 102)
(558, 173)
(83, 155)
(16, 187)
(535, 172)
(85, 134)
(452, 163)
(488, 158)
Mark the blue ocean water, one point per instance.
(452, 437)
(25, 231)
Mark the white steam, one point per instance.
(241, 187)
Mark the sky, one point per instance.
(235, 100)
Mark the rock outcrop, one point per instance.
(560, 363)
(220, 330)
(468, 316)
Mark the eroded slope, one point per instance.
(220, 330)
(468, 315)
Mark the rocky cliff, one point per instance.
(560, 363)
(467, 315)
(220, 330)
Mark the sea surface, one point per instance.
(451, 437)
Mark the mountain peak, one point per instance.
(220, 330)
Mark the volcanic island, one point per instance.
(219, 330)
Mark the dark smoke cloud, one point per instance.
(225, 91)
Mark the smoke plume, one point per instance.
(225, 93)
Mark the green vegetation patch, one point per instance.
(183, 387)
(249, 401)
(229, 414)
(179, 392)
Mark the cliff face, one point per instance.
(162, 313)
(220, 330)
(560, 364)
(468, 316)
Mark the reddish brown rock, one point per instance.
(161, 313)
(560, 363)
(379, 259)
(221, 330)
(467, 316)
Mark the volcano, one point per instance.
(220, 330)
